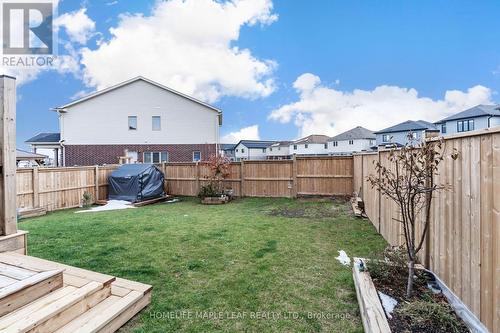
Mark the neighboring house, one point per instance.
(26, 159)
(310, 145)
(138, 120)
(354, 140)
(48, 144)
(279, 151)
(251, 150)
(227, 150)
(478, 117)
(399, 134)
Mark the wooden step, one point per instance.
(49, 313)
(37, 264)
(109, 315)
(30, 287)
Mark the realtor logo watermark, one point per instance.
(28, 34)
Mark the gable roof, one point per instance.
(474, 112)
(256, 144)
(26, 155)
(281, 144)
(353, 134)
(139, 78)
(315, 138)
(410, 125)
(45, 138)
(227, 146)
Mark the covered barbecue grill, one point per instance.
(136, 182)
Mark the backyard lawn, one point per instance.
(254, 265)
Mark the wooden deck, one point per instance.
(38, 295)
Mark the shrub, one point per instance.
(87, 200)
(209, 190)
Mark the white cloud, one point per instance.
(325, 110)
(188, 45)
(246, 133)
(79, 27)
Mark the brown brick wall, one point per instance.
(109, 154)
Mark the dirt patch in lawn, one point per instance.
(312, 208)
(308, 211)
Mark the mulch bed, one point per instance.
(425, 311)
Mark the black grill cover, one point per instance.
(136, 182)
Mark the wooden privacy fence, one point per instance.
(290, 178)
(463, 246)
(61, 188)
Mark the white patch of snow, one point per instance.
(388, 303)
(110, 205)
(343, 258)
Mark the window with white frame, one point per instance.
(386, 138)
(294, 147)
(306, 146)
(335, 143)
(156, 123)
(196, 156)
(155, 157)
(351, 142)
(443, 128)
(326, 145)
(132, 123)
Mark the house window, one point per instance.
(443, 128)
(237, 150)
(155, 157)
(326, 145)
(386, 138)
(414, 135)
(465, 125)
(335, 143)
(270, 149)
(351, 142)
(156, 123)
(264, 150)
(196, 156)
(471, 124)
(279, 148)
(294, 147)
(242, 150)
(306, 146)
(132, 123)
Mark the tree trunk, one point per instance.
(411, 274)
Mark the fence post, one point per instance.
(8, 197)
(96, 183)
(294, 177)
(197, 171)
(242, 178)
(35, 183)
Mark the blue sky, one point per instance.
(300, 67)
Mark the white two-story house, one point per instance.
(311, 145)
(355, 140)
(279, 151)
(136, 121)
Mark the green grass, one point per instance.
(250, 257)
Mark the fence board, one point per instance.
(463, 246)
